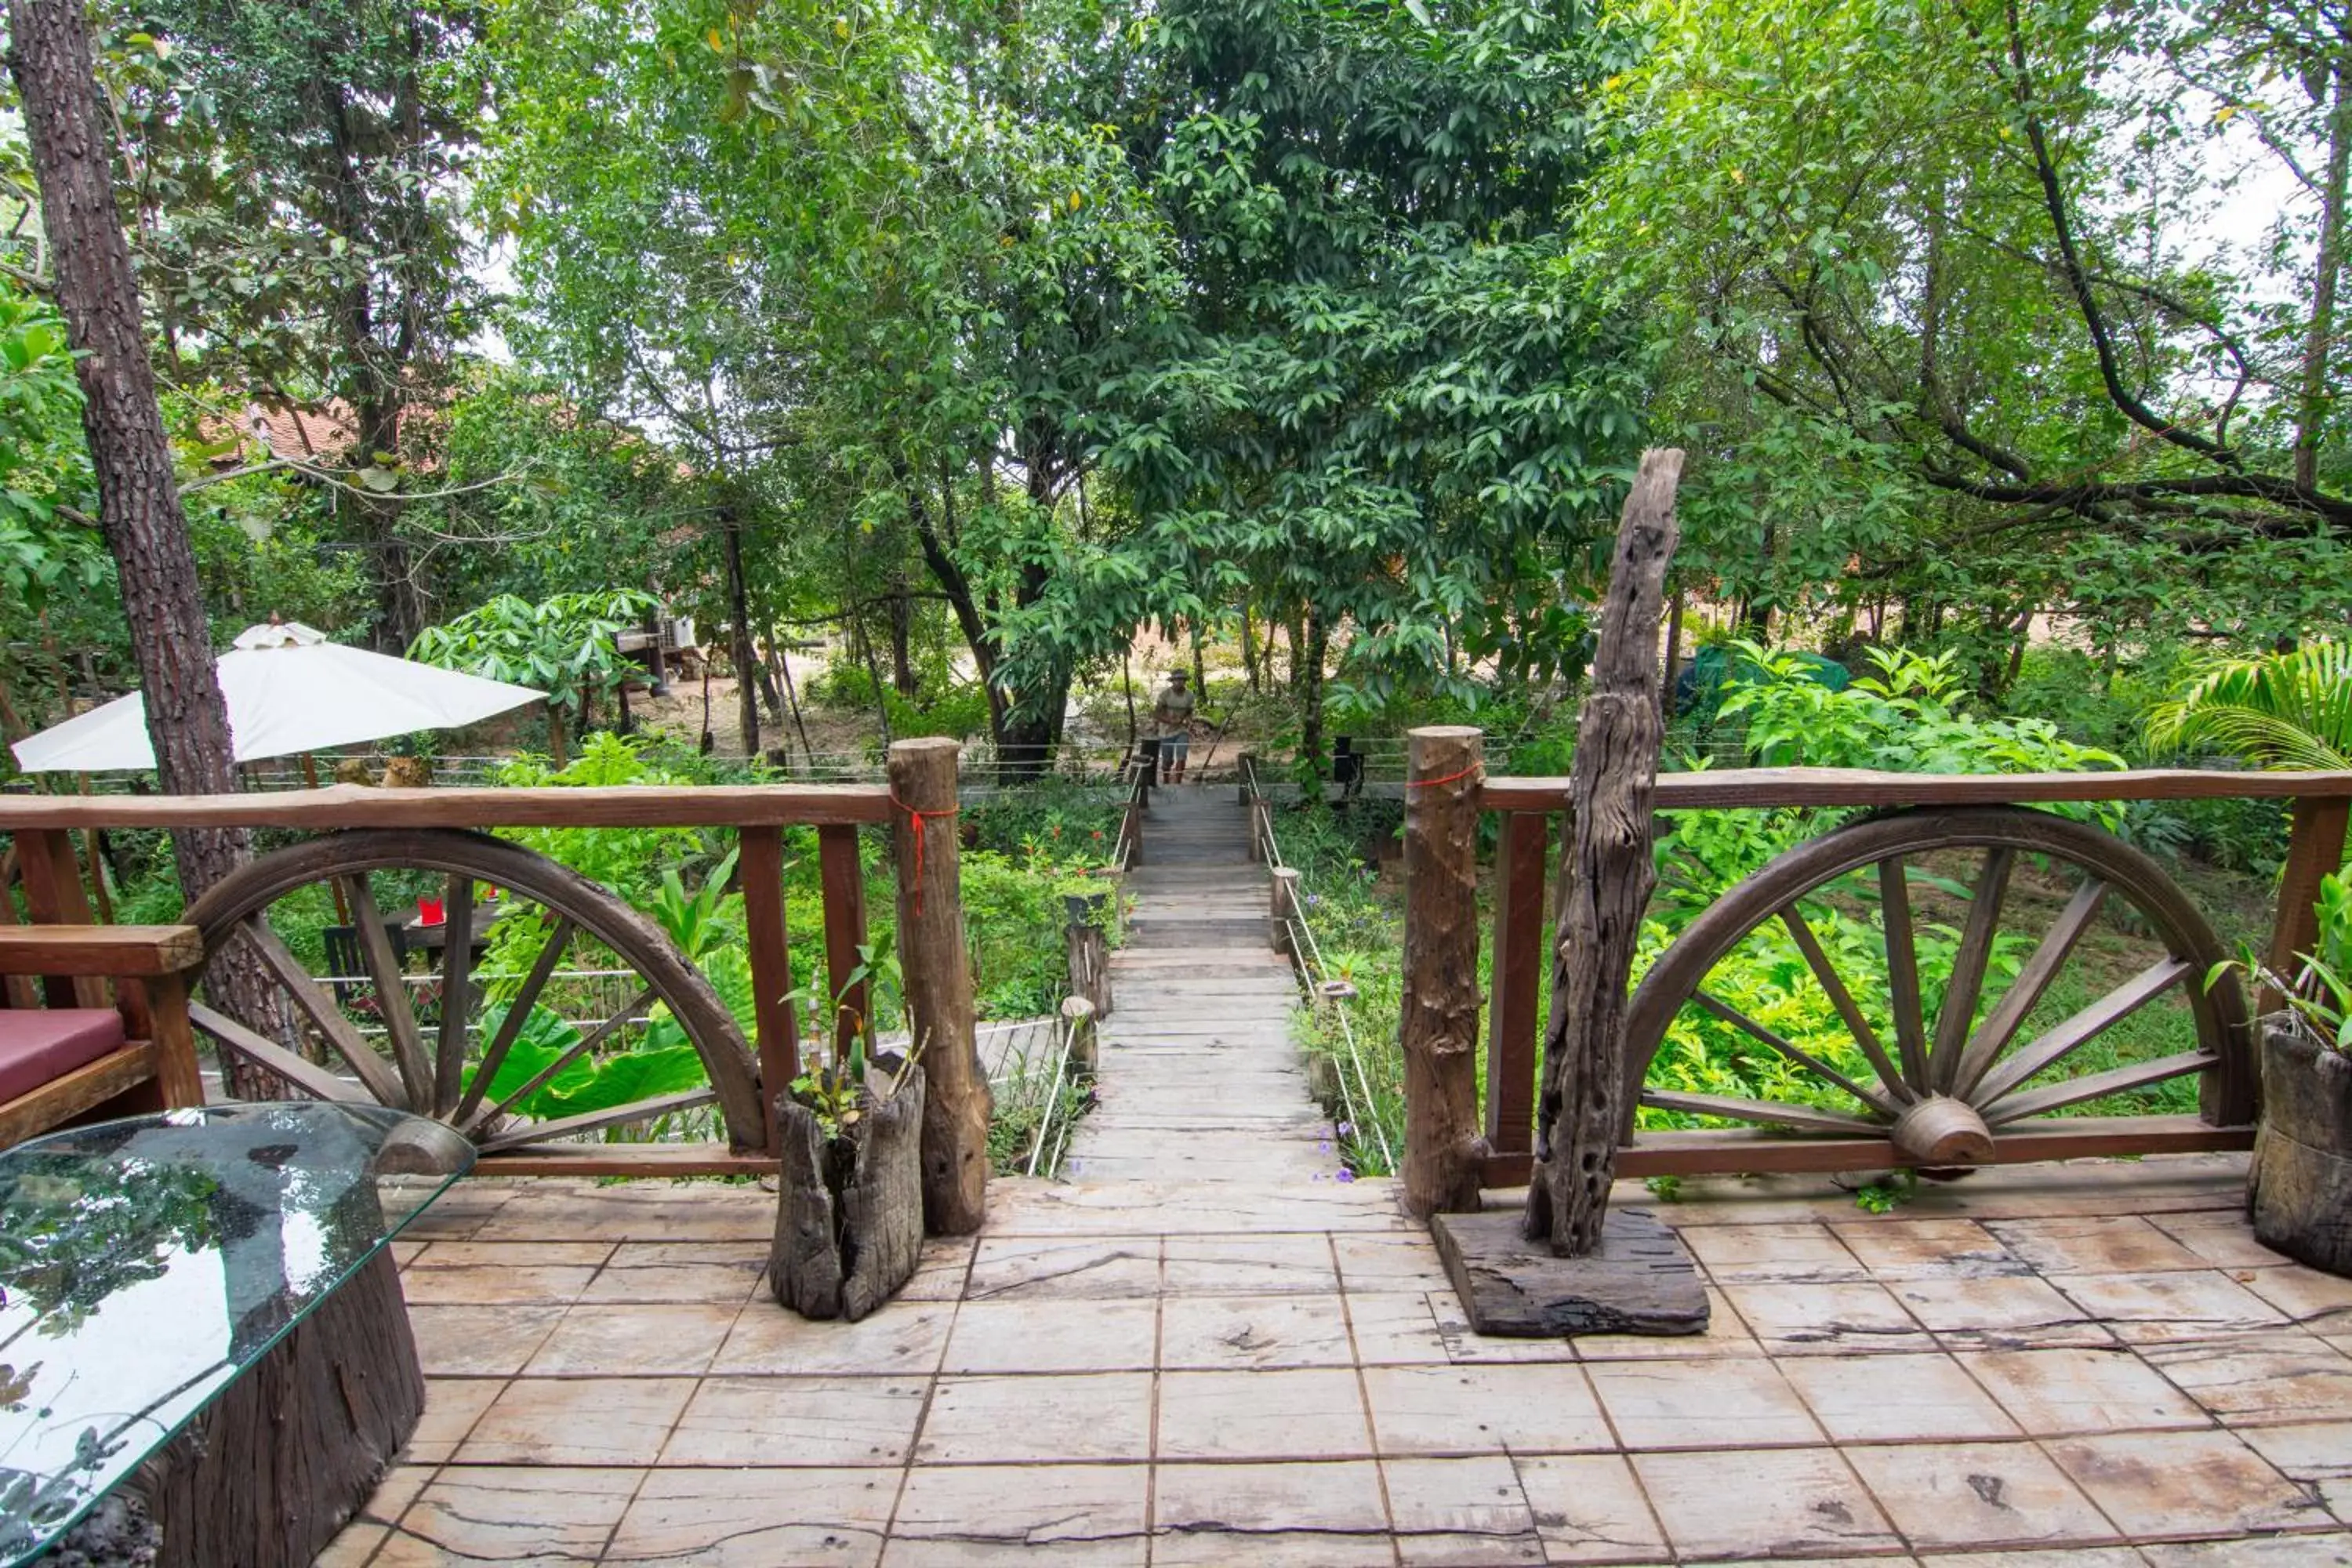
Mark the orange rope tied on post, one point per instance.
(1449, 778)
(917, 818)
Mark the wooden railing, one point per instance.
(1523, 911)
(919, 802)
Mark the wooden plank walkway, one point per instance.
(1200, 1080)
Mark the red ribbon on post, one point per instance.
(917, 818)
(1449, 778)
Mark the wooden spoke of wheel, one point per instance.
(456, 972)
(1804, 1118)
(2085, 1026)
(1795, 1053)
(1902, 971)
(517, 1014)
(340, 1033)
(391, 992)
(578, 1048)
(2097, 1086)
(595, 1120)
(1864, 1037)
(303, 1074)
(2024, 992)
(1967, 983)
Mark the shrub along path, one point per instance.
(1199, 1079)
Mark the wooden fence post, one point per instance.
(1443, 1150)
(937, 974)
(1518, 960)
(759, 866)
(1078, 1017)
(1090, 950)
(1283, 908)
(1585, 1104)
(2315, 848)
(844, 880)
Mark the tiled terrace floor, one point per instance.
(2064, 1367)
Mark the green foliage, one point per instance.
(562, 645)
(1910, 716)
(2319, 994)
(2290, 710)
(590, 1081)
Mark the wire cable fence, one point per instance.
(1358, 1105)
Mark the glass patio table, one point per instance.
(146, 1265)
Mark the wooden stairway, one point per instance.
(1199, 1079)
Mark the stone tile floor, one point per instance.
(2079, 1366)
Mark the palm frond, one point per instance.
(2290, 709)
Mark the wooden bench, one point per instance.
(77, 1055)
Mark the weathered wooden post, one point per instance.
(1568, 1265)
(1090, 949)
(1078, 1017)
(1442, 1145)
(1283, 908)
(937, 975)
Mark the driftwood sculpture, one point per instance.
(1567, 1266)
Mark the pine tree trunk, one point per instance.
(139, 499)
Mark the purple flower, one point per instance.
(1347, 1129)
(1324, 1147)
(1345, 1175)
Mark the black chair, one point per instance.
(344, 958)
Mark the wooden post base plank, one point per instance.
(293, 1449)
(1641, 1280)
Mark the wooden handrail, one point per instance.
(357, 805)
(1725, 788)
(2322, 811)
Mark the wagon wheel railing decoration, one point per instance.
(1942, 1088)
(464, 1068)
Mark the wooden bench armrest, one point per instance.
(118, 951)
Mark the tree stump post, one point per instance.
(1443, 1141)
(1606, 874)
(849, 1208)
(936, 969)
(1283, 908)
(1090, 950)
(1078, 1017)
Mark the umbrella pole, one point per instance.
(311, 777)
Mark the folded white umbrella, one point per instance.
(288, 690)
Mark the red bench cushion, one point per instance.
(40, 1045)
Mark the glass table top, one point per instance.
(144, 1264)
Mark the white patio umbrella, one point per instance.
(288, 690)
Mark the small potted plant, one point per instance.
(2299, 1187)
(849, 1204)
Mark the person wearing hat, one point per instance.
(1172, 716)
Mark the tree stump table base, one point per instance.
(1641, 1281)
(292, 1450)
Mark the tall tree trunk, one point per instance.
(739, 615)
(2311, 410)
(902, 635)
(1307, 680)
(139, 499)
(936, 540)
(1249, 649)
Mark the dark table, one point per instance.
(206, 1300)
